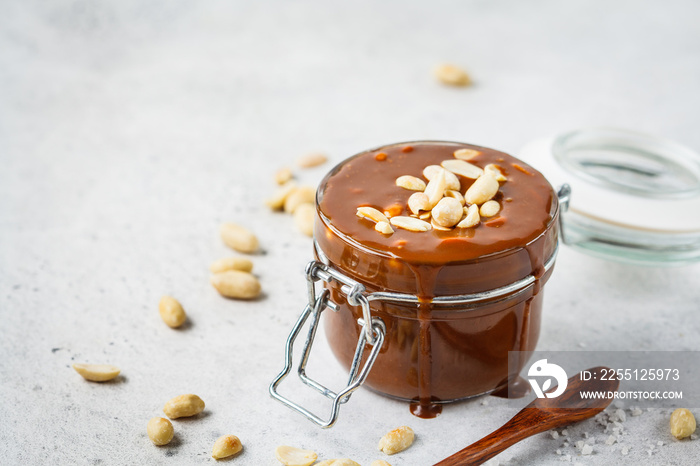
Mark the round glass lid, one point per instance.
(634, 197)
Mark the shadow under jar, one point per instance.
(471, 294)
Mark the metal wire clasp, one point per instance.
(373, 331)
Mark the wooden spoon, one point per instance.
(539, 416)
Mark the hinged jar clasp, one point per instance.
(372, 333)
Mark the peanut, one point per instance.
(448, 212)
(397, 440)
(436, 188)
(290, 456)
(455, 194)
(304, 218)
(225, 446)
(283, 175)
(489, 209)
(472, 219)
(160, 431)
(239, 238)
(453, 183)
(495, 171)
(682, 423)
(410, 223)
(371, 213)
(97, 372)
(482, 190)
(231, 263)
(418, 202)
(452, 75)
(411, 183)
(384, 228)
(236, 284)
(276, 202)
(171, 311)
(311, 160)
(460, 167)
(183, 406)
(299, 196)
(466, 154)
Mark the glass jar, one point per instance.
(431, 347)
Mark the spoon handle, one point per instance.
(510, 433)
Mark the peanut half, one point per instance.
(397, 440)
(418, 202)
(283, 175)
(371, 213)
(97, 372)
(411, 183)
(304, 218)
(482, 190)
(171, 311)
(384, 228)
(311, 160)
(455, 194)
(231, 263)
(495, 171)
(276, 202)
(465, 154)
(460, 167)
(452, 75)
(436, 188)
(290, 456)
(225, 446)
(299, 196)
(236, 284)
(160, 431)
(453, 183)
(239, 238)
(682, 423)
(410, 223)
(489, 209)
(183, 406)
(472, 219)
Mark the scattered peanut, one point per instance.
(290, 456)
(460, 167)
(384, 228)
(410, 182)
(311, 160)
(482, 190)
(448, 212)
(304, 218)
(225, 446)
(372, 214)
(466, 154)
(231, 263)
(236, 284)
(239, 238)
(418, 202)
(160, 431)
(452, 75)
(453, 183)
(436, 188)
(397, 440)
(682, 423)
(283, 175)
(276, 202)
(495, 171)
(171, 311)
(410, 223)
(472, 219)
(340, 462)
(183, 406)
(299, 196)
(97, 372)
(489, 209)
(379, 463)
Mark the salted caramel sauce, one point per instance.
(503, 249)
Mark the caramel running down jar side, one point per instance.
(437, 349)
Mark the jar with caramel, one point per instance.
(438, 291)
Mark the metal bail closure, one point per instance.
(373, 331)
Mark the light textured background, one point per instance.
(130, 130)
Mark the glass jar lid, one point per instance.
(635, 197)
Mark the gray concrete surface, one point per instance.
(130, 130)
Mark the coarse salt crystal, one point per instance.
(554, 434)
(625, 450)
(636, 411)
(610, 440)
